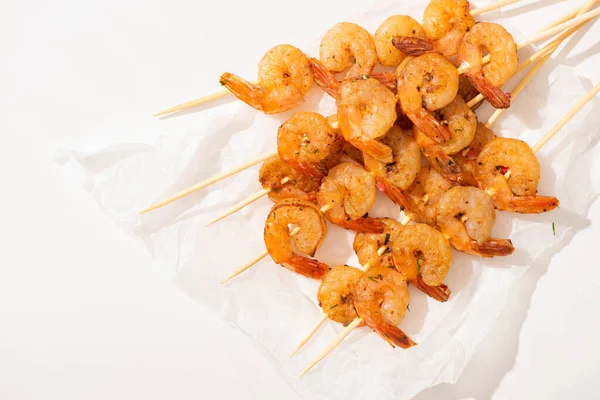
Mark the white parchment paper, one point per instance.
(276, 307)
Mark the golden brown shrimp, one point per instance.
(367, 111)
(274, 171)
(467, 216)
(467, 91)
(367, 245)
(503, 61)
(446, 22)
(424, 194)
(392, 178)
(348, 46)
(397, 26)
(467, 158)
(381, 299)
(425, 84)
(462, 123)
(284, 78)
(307, 142)
(336, 293)
(517, 192)
(349, 192)
(312, 231)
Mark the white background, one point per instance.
(82, 315)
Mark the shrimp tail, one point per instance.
(492, 94)
(430, 126)
(388, 79)
(412, 46)
(443, 163)
(532, 204)
(364, 225)
(493, 247)
(243, 90)
(375, 149)
(311, 169)
(306, 266)
(325, 79)
(394, 336)
(440, 293)
(394, 193)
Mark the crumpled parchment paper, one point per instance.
(276, 307)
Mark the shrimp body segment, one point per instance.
(424, 194)
(348, 46)
(396, 176)
(425, 84)
(394, 26)
(336, 293)
(284, 78)
(381, 299)
(446, 22)
(467, 158)
(503, 60)
(308, 143)
(348, 192)
(367, 245)
(274, 171)
(466, 214)
(518, 192)
(367, 111)
(312, 231)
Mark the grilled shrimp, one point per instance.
(446, 22)
(381, 298)
(424, 194)
(348, 46)
(367, 111)
(403, 26)
(308, 143)
(285, 182)
(348, 192)
(284, 78)
(517, 192)
(367, 245)
(336, 293)
(462, 123)
(425, 84)
(467, 216)
(503, 60)
(467, 158)
(392, 178)
(312, 230)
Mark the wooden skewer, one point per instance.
(324, 316)
(238, 271)
(208, 182)
(224, 93)
(589, 96)
(552, 48)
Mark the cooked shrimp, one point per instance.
(427, 83)
(284, 78)
(367, 245)
(274, 171)
(381, 298)
(467, 216)
(349, 192)
(280, 244)
(392, 178)
(336, 293)
(462, 123)
(307, 142)
(394, 26)
(424, 194)
(467, 91)
(367, 111)
(467, 159)
(517, 192)
(503, 60)
(446, 22)
(348, 46)
(423, 255)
